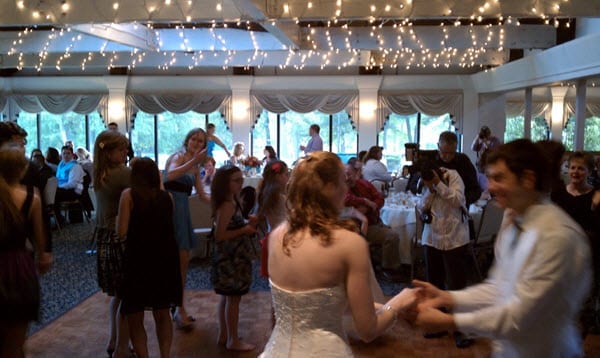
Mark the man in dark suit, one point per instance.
(450, 159)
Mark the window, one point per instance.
(53, 130)
(286, 132)
(159, 136)
(414, 128)
(515, 129)
(591, 138)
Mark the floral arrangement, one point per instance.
(251, 161)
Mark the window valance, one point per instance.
(538, 110)
(591, 109)
(3, 101)
(305, 102)
(178, 103)
(58, 104)
(432, 104)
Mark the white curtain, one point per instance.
(432, 104)
(58, 104)
(591, 109)
(538, 110)
(178, 103)
(305, 102)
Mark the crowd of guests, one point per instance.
(323, 235)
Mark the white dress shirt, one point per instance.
(449, 228)
(376, 170)
(530, 302)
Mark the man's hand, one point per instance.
(431, 296)
(433, 320)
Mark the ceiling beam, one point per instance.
(134, 35)
(251, 12)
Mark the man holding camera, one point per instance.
(482, 144)
(445, 232)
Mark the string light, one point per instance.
(401, 48)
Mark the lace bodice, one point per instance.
(308, 323)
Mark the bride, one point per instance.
(318, 267)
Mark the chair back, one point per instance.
(491, 218)
(50, 191)
(381, 186)
(200, 212)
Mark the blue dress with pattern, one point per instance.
(180, 189)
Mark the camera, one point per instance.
(427, 216)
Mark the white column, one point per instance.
(558, 112)
(527, 115)
(117, 90)
(368, 87)
(241, 123)
(581, 86)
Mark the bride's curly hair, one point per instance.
(309, 199)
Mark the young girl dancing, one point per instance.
(232, 256)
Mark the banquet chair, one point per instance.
(381, 186)
(201, 214)
(49, 196)
(485, 233)
(415, 247)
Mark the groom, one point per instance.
(542, 273)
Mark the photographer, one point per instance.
(445, 232)
(482, 144)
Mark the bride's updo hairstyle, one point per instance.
(309, 198)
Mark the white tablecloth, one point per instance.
(402, 219)
(252, 181)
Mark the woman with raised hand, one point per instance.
(21, 218)
(111, 177)
(182, 173)
(318, 266)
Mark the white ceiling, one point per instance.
(276, 36)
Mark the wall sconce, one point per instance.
(116, 109)
(367, 109)
(240, 109)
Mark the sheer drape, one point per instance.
(435, 104)
(58, 104)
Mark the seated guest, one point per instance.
(209, 171)
(238, 154)
(70, 179)
(52, 158)
(42, 170)
(83, 158)
(374, 169)
(364, 197)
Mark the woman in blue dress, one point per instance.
(213, 140)
(182, 173)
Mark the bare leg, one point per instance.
(113, 308)
(12, 337)
(232, 311)
(164, 331)
(122, 333)
(184, 258)
(222, 340)
(137, 332)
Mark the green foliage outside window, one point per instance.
(294, 132)
(402, 129)
(515, 129)
(591, 137)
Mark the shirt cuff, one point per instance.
(465, 322)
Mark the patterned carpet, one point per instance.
(73, 275)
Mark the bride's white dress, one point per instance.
(308, 323)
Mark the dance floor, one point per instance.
(82, 332)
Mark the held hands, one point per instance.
(405, 303)
(429, 317)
